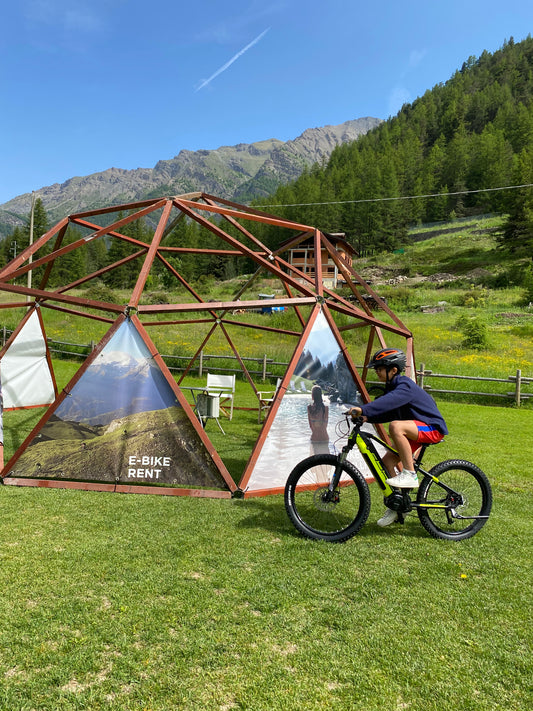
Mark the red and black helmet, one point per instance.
(388, 358)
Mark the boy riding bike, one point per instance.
(413, 416)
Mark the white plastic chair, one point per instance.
(224, 386)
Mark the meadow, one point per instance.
(146, 602)
(126, 602)
(436, 286)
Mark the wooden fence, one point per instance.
(206, 362)
(518, 381)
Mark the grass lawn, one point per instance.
(154, 603)
(145, 602)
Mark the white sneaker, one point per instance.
(405, 480)
(389, 517)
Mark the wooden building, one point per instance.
(302, 257)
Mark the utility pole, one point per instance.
(28, 298)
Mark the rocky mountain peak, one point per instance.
(239, 172)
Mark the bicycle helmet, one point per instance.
(388, 358)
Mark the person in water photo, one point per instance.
(317, 415)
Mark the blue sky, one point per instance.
(94, 84)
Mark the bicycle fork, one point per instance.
(332, 494)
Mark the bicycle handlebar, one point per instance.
(357, 420)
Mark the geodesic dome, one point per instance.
(124, 422)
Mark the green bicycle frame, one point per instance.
(364, 441)
(373, 460)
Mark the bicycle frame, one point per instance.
(401, 499)
(363, 442)
(328, 498)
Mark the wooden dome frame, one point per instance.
(213, 214)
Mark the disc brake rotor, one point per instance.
(324, 500)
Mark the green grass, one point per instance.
(152, 603)
(145, 602)
(458, 252)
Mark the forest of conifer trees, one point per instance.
(473, 133)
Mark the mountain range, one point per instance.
(242, 173)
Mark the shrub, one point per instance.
(473, 297)
(475, 333)
(399, 297)
(157, 297)
(527, 283)
(100, 292)
(501, 280)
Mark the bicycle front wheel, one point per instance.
(461, 514)
(320, 514)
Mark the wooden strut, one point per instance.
(300, 291)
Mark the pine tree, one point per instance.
(11, 245)
(124, 276)
(466, 135)
(40, 227)
(518, 232)
(70, 266)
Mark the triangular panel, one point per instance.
(138, 432)
(120, 422)
(299, 427)
(27, 379)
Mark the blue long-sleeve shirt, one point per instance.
(405, 400)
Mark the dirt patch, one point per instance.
(380, 275)
(441, 277)
(477, 274)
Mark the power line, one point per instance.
(403, 197)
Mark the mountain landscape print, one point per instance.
(121, 422)
(123, 380)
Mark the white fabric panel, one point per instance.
(25, 375)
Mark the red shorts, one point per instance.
(427, 434)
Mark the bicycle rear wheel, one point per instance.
(322, 515)
(473, 499)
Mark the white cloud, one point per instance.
(62, 14)
(234, 29)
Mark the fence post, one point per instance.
(4, 336)
(518, 387)
(264, 367)
(421, 375)
(200, 363)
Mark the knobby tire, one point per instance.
(306, 499)
(469, 481)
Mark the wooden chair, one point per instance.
(224, 385)
(266, 398)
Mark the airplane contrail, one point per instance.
(233, 59)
